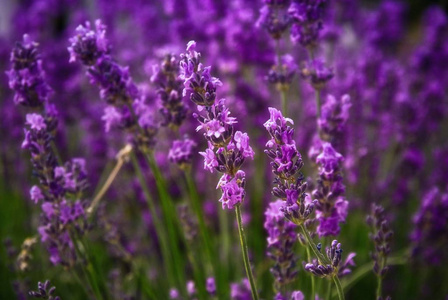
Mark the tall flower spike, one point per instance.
(334, 266)
(127, 107)
(331, 208)
(286, 164)
(169, 90)
(334, 116)
(227, 149)
(281, 239)
(26, 76)
(45, 291)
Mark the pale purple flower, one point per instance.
(36, 194)
(232, 190)
(36, 121)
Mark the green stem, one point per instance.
(56, 153)
(195, 201)
(172, 221)
(159, 227)
(338, 285)
(318, 103)
(245, 251)
(329, 296)
(322, 259)
(225, 246)
(313, 283)
(379, 286)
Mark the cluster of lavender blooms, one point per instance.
(127, 108)
(286, 164)
(369, 107)
(227, 149)
(431, 223)
(60, 187)
(381, 236)
(44, 291)
(333, 267)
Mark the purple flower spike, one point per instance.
(181, 152)
(88, 45)
(26, 77)
(331, 208)
(281, 239)
(227, 149)
(317, 73)
(334, 268)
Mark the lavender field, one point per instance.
(223, 149)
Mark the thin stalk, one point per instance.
(202, 226)
(322, 259)
(56, 153)
(313, 283)
(244, 249)
(318, 102)
(172, 221)
(159, 227)
(122, 154)
(338, 285)
(225, 245)
(329, 296)
(379, 286)
(198, 275)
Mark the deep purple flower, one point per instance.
(429, 236)
(281, 239)
(45, 290)
(282, 73)
(334, 256)
(331, 208)
(210, 286)
(26, 77)
(317, 73)
(241, 291)
(274, 20)
(334, 116)
(88, 45)
(306, 16)
(181, 151)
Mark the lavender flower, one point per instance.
(169, 90)
(307, 23)
(89, 45)
(45, 291)
(317, 73)
(199, 85)
(274, 19)
(227, 149)
(381, 236)
(334, 116)
(286, 165)
(282, 73)
(26, 76)
(281, 239)
(429, 236)
(331, 208)
(334, 267)
(181, 152)
(240, 291)
(127, 109)
(210, 286)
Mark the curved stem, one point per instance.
(159, 227)
(322, 259)
(245, 251)
(338, 285)
(110, 179)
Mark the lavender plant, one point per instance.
(116, 199)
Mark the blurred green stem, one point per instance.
(159, 227)
(338, 285)
(313, 283)
(245, 251)
(172, 221)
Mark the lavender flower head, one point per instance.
(181, 152)
(286, 164)
(274, 18)
(381, 236)
(169, 90)
(88, 45)
(317, 73)
(334, 115)
(429, 237)
(281, 239)
(307, 23)
(331, 208)
(283, 72)
(333, 267)
(199, 85)
(26, 76)
(45, 291)
(227, 149)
